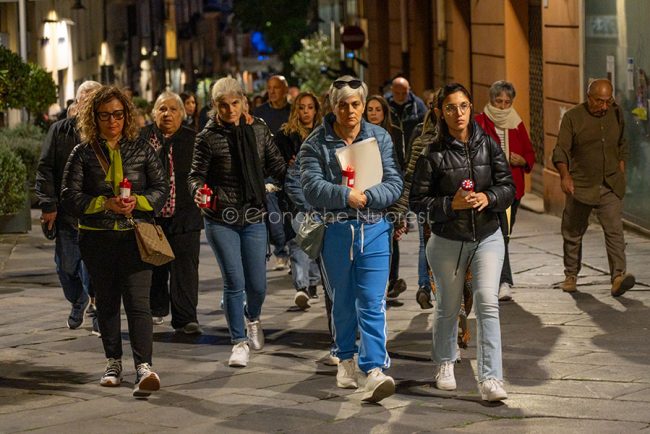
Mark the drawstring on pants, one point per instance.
(363, 236)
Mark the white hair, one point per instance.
(337, 95)
(87, 87)
(164, 97)
(226, 86)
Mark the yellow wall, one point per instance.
(562, 84)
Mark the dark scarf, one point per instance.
(244, 143)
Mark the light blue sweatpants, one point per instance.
(356, 262)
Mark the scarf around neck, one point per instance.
(244, 144)
(506, 119)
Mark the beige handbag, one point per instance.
(152, 243)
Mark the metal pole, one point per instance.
(22, 14)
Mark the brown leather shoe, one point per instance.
(569, 284)
(622, 283)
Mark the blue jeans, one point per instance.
(241, 254)
(72, 272)
(304, 271)
(449, 260)
(423, 274)
(356, 260)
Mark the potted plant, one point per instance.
(14, 202)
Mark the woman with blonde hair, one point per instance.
(304, 117)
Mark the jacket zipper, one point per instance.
(471, 175)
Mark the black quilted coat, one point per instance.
(84, 179)
(438, 175)
(212, 164)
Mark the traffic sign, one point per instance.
(353, 37)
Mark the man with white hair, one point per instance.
(61, 139)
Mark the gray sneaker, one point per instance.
(191, 328)
(146, 381)
(78, 313)
(113, 374)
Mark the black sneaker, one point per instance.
(423, 297)
(395, 288)
(312, 292)
(78, 312)
(113, 375)
(146, 381)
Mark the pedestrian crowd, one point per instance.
(258, 174)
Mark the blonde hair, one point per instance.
(294, 125)
(87, 117)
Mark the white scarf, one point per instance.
(505, 119)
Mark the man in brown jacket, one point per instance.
(590, 155)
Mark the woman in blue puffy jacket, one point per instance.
(356, 248)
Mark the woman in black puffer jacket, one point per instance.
(465, 234)
(233, 158)
(107, 241)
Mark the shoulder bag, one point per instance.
(152, 243)
(310, 235)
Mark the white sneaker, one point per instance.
(346, 377)
(113, 374)
(240, 355)
(331, 360)
(492, 390)
(445, 379)
(504, 292)
(255, 334)
(281, 263)
(378, 386)
(302, 300)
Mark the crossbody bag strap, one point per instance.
(100, 157)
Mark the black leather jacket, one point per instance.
(61, 138)
(212, 164)
(186, 217)
(438, 175)
(84, 179)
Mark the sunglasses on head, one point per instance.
(354, 84)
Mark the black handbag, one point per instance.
(311, 234)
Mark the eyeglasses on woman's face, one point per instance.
(354, 84)
(118, 115)
(453, 109)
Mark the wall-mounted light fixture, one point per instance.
(78, 6)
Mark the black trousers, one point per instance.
(118, 275)
(394, 262)
(178, 281)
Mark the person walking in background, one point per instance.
(177, 281)
(110, 152)
(502, 122)
(61, 138)
(378, 113)
(305, 115)
(232, 158)
(275, 112)
(191, 119)
(590, 156)
(407, 109)
(465, 234)
(356, 246)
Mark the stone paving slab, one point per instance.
(572, 363)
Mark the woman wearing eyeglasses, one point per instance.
(356, 247)
(465, 234)
(110, 152)
(502, 122)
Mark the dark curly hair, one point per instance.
(87, 117)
